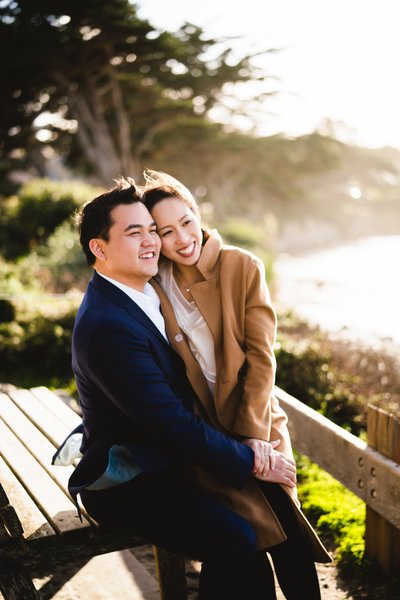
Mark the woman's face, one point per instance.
(179, 230)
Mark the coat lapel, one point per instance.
(207, 294)
(180, 345)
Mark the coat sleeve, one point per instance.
(255, 411)
(125, 368)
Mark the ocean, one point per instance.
(352, 288)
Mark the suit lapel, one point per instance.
(118, 297)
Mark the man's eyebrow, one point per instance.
(138, 226)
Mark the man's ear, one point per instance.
(96, 247)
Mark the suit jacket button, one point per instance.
(179, 337)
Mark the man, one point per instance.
(140, 430)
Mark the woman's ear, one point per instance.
(96, 247)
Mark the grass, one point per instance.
(335, 510)
(339, 518)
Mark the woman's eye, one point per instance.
(166, 233)
(187, 222)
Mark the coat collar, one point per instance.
(118, 297)
(210, 252)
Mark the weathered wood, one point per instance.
(33, 522)
(171, 574)
(55, 405)
(51, 426)
(58, 508)
(367, 473)
(34, 441)
(39, 526)
(382, 538)
(42, 556)
(18, 586)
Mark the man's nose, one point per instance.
(149, 239)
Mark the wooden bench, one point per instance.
(40, 530)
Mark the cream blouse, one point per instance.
(192, 323)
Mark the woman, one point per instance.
(220, 319)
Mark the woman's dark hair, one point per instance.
(94, 219)
(160, 186)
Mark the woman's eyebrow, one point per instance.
(163, 227)
(180, 220)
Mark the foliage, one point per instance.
(37, 350)
(7, 311)
(305, 372)
(333, 375)
(58, 265)
(112, 84)
(40, 206)
(251, 237)
(249, 177)
(336, 511)
(243, 234)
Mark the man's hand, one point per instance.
(264, 456)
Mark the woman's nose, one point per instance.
(182, 236)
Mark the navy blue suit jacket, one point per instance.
(133, 391)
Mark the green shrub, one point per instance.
(333, 375)
(37, 351)
(251, 237)
(335, 510)
(305, 371)
(40, 206)
(7, 311)
(59, 264)
(242, 233)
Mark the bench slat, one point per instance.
(33, 521)
(55, 405)
(58, 508)
(34, 441)
(32, 424)
(54, 429)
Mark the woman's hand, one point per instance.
(270, 464)
(284, 471)
(264, 455)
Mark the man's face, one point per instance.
(131, 254)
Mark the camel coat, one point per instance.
(234, 300)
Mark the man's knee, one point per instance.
(237, 536)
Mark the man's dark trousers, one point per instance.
(174, 514)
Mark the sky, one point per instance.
(338, 59)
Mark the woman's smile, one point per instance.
(187, 251)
